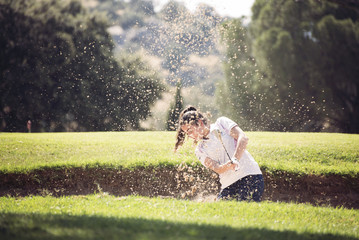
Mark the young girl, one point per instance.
(222, 148)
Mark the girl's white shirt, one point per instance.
(213, 149)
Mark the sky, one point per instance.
(230, 8)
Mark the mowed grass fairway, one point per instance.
(306, 153)
(102, 216)
(108, 217)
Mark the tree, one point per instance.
(57, 69)
(309, 49)
(175, 109)
(339, 46)
(236, 95)
(143, 6)
(139, 89)
(174, 12)
(244, 94)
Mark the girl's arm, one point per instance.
(215, 166)
(242, 141)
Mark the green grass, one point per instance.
(301, 153)
(306, 153)
(108, 217)
(21, 152)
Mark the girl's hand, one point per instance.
(235, 162)
(234, 166)
(230, 166)
(213, 165)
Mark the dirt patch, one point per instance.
(332, 190)
(195, 183)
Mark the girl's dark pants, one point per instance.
(249, 188)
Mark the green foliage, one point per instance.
(244, 90)
(59, 71)
(175, 110)
(339, 46)
(172, 35)
(174, 12)
(308, 50)
(299, 153)
(108, 217)
(132, 20)
(141, 86)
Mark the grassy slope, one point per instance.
(108, 217)
(303, 153)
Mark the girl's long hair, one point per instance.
(190, 115)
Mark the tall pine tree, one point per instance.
(175, 109)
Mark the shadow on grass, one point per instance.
(54, 226)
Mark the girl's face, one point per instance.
(194, 131)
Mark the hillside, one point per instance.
(178, 44)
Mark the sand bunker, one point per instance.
(183, 182)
